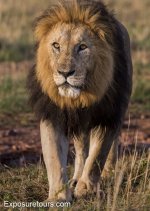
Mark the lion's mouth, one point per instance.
(68, 85)
(68, 90)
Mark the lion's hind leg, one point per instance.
(110, 163)
(81, 149)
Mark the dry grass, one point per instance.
(128, 188)
(16, 18)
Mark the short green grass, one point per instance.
(13, 95)
(142, 92)
(141, 97)
(16, 34)
(18, 51)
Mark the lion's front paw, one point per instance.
(67, 196)
(84, 187)
(63, 195)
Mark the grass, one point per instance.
(16, 35)
(17, 51)
(128, 188)
(16, 40)
(13, 96)
(141, 97)
(142, 92)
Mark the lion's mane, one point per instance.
(90, 109)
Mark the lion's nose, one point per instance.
(66, 74)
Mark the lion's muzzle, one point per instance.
(66, 74)
(69, 85)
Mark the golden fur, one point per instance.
(101, 74)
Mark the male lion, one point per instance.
(79, 89)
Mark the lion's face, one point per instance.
(71, 49)
(74, 65)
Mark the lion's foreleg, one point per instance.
(84, 184)
(81, 150)
(55, 150)
(100, 144)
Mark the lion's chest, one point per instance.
(77, 122)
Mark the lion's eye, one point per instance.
(56, 45)
(82, 47)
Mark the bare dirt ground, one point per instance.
(20, 141)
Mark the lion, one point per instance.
(80, 89)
